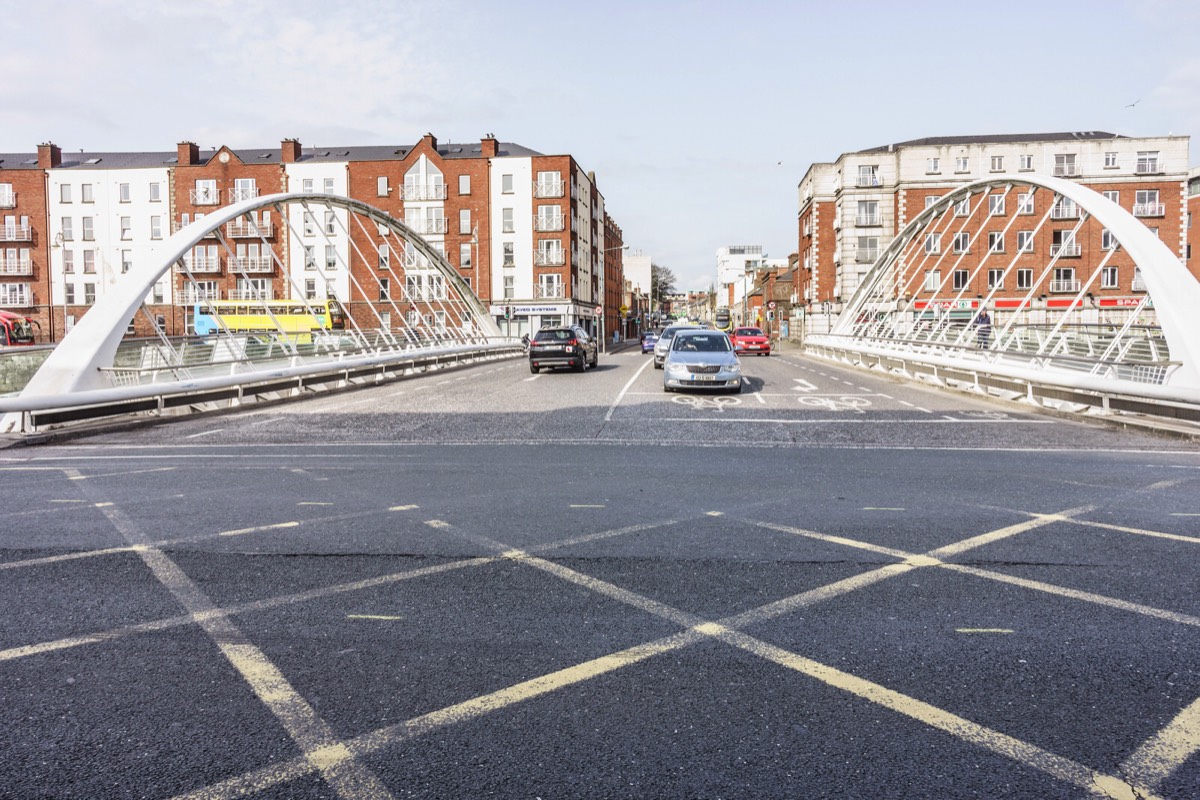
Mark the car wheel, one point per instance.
(736, 390)
(533, 369)
(582, 365)
(657, 365)
(595, 361)
(667, 388)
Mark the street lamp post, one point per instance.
(58, 244)
(603, 269)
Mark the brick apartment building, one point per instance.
(528, 232)
(851, 209)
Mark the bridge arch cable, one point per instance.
(396, 290)
(1078, 290)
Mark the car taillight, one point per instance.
(572, 342)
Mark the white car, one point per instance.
(664, 342)
(702, 359)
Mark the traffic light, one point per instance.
(508, 312)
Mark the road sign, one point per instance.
(598, 310)
(624, 310)
(771, 304)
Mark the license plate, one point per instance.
(704, 377)
(755, 346)
(553, 347)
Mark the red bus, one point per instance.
(15, 330)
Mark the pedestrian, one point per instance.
(984, 325)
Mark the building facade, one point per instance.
(528, 232)
(851, 209)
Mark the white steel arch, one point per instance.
(885, 303)
(76, 364)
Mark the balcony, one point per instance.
(15, 232)
(1066, 171)
(252, 264)
(549, 189)
(267, 293)
(867, 181)
(1147, 166)
(1064, 211)
(15, 295)
(436, 225)
(868, 220)
(206, 265)
(245, 193)
(8, 199)
(549, 223)
(190, 296)
(21, 265)
(204, 197)
(550, 258)
(549, 291)
(250, 230)
(1064, 287)
(432, 191)
(1069, 250)
(1148, 210)
(866, 256)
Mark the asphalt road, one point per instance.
(485, 583)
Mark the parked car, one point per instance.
(664, 342)
(649, 339)
(567, 346)
(702, 359)
(750, 340)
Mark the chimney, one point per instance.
(489, 147)
(49, 156)
(189, 154)
(290, 151)
(430, 140)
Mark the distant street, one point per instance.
(483, 582)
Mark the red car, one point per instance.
(750, 340)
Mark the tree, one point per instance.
(662, 283)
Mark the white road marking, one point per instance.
(758, 396)
(534, 378)
(613, 407)
(204, 433)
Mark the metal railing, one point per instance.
(267, 293)
(21, 265)
(207, 265)
(252, 264)
(8, 199)
(430, 191)
(15, 295)
(1148, 209)
(15, 232)
(190, 297)
(865, 181)
(549, 189)
(433, 225)
(557, 223)
(244, 229)
(1066, 250)
(549, 258)
(1066, 286)
(238, 195)
(549, 291)
(868, 220)
(204, 197)
(1064, 211)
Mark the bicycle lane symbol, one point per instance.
(707, 403)
(855, 404)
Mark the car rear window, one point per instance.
(702, 342)
(554, 335)
(747, 332)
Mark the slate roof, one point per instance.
(998, 138)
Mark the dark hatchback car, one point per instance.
(563, 347)
(649, 339)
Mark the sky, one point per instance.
(698, 118)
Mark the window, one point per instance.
(310, 257)
(506, 220)
(509, 290)
(330, 223)
(244, 189)
(126, 227)
(464, 256)
(1025, 279)
(69, 298)
(931, 199)
(1113, 195)
(1025, 203)
(464, 220)
(205, 193)
(385, 289)
(963, 207)
(64, 193)
(996, 204)
(510, 259)
(464, 184)
(330, 257)
(328, 186)
(506, 184)
(1026, 163)
(1064, 164)
(310, 289)
(1110, 160)
(89, 233)
(306, 185)
(68, 261)
(997, 163)
(123, 192)
(1108, 278)
(156, 227)
(126, 261)
(933, 279)
(86, 193)
(1147, 161)
(385, 254)
(961, 278)
(156, 193)
(1024, 241)
(933, 243)
(933, 165)
(1063, 244)
(1145, 203)
(68, 230)
(89, 294)
(996, 242)
(1107, 240)
(962, 242)
(962, 164)
(868, 212)
(995, 279)
(868, 249)
(310, 224)
(157, 294)
(868, 175)
(381, 186)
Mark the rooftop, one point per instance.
(998, 138)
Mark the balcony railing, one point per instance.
(1064, 211)
(432, 191)
(867, 220)
(549, 291)
(1147, 166)
(549, 223)
(437, 225)
(267, 293)
(866, 256)
(549, 189)
(1148, 210)
(248, 230)
(238, 195)
(8, 199)
(1070, 250)
(190, 297)
(15, 295)
(252, 264)
(200, 265)
(865, 181)
(15, 232)
(204, 197)
(21, 265)
(1065, 170)
(1064, 286)
(550, 258)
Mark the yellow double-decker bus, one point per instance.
(723, 320)
(291, 318)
